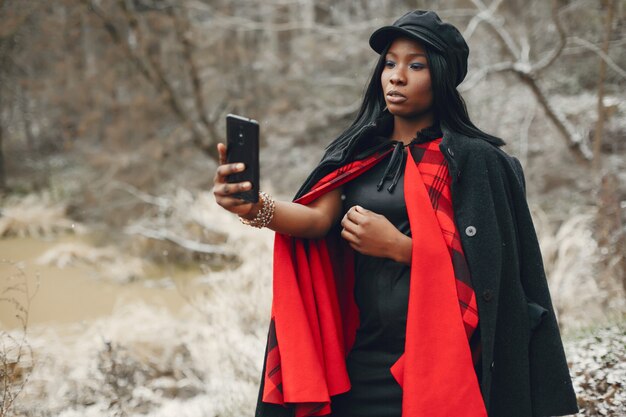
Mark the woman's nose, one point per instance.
(397, 77)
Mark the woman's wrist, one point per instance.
(254, 210)
(403, 249)
(261, 213)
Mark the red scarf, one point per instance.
(314, 317)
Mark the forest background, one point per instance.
(125, 291)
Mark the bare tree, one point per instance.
(528, 72)
(128, 33)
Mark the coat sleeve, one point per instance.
(551, 386)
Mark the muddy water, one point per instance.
(70, 294)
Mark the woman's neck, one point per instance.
(404, 130)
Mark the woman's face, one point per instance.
(406, 80)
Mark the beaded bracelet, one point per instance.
(264, 215)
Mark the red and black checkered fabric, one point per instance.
(434, 169)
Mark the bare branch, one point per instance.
(199, 131)
(528, 75)
(480, 74)
(165, 204)
(497, 26)
(150, 67)
(182, 30)
(164, 234)
(161, 202)
(244, 24)
(594, 48)
(163, 83)
(16, 353)
(556, 52)
(525, 51)
(574, 139)
(119, 40)
(479, 17)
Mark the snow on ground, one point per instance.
(598, 368)
(145, 362)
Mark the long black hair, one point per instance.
(448, 105)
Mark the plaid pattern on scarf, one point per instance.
(434, 169)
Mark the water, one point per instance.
(74, 293)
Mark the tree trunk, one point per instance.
(27, 119)
(597, 137)
(610, 230)
(3, 183)
(3, 52)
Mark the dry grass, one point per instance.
(35, 215)
(582, 296)
(109, 261)
(176, 229)
(145, 361)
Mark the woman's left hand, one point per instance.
(372, 234)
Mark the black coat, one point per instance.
(524, 372)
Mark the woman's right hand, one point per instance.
(308, 221)
(223, 190)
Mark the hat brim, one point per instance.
(383, 36)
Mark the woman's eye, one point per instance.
(389, 63)
(417, 65)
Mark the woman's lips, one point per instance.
(395, 97)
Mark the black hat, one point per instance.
(427, 27)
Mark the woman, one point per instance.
(408, 279)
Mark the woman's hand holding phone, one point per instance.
(223, 190)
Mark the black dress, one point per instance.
(381, 293)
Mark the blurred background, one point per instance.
(125, 290)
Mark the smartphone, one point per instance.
(242, 145)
